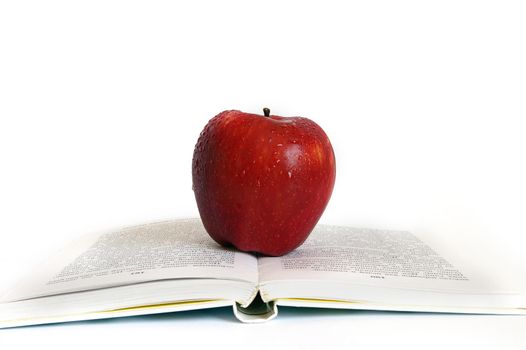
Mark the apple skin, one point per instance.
(262, 182)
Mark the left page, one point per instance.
(176, 249)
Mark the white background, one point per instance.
(101, 103)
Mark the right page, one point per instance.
(379, 266)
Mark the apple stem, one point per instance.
(266, 112)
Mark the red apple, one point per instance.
(262, 182)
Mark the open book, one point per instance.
(174, 266)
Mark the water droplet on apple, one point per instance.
(290, 174)
(279, 144)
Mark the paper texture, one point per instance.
(163, 250)
(392, 259)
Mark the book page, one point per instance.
(156, 251)
(395, 259)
